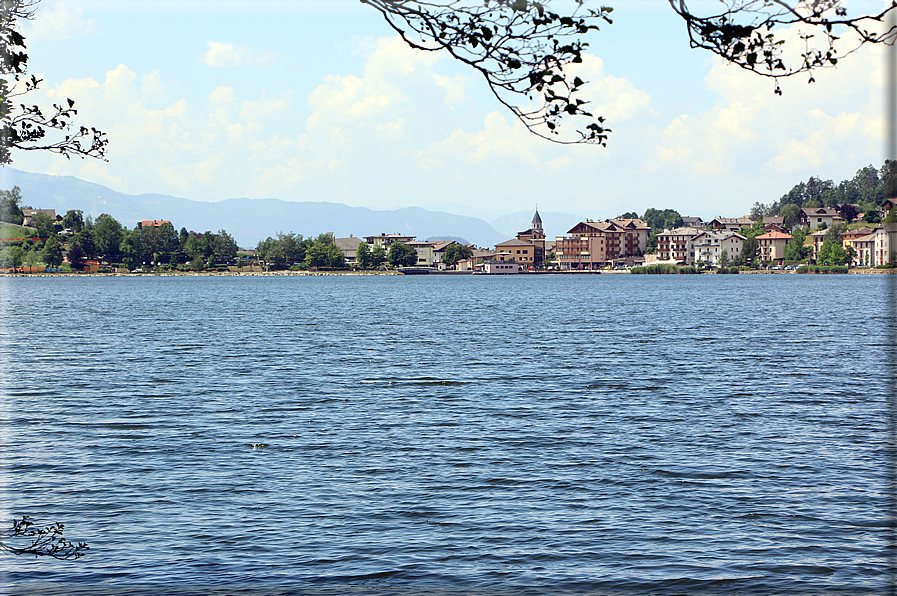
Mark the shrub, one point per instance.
(823, 269)
(664, 269)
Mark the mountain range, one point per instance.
(252, 220)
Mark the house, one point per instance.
(153, 223)
(708, 246)
(775, 224)
(813, 217)
(772, 245)
(675, 245)
(692, 222)
(424, 252)
(730, 223)
(439, 249)
(851, 235)
(885, 244)
(863, 247)
(521, 251)
(349, 248)
(29, 215)
(477, 260)
(818, 238)
(385, 240)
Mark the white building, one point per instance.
(708, 246)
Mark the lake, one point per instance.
(451, 435)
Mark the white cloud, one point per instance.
(229, 55)
(58, 20)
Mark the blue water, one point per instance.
(529, 434)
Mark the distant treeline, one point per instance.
(864, 193)
(108, 240)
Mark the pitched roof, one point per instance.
(514, 242)
(630, 223)
(536, 218)
(350, 243)
(775, 236)
(823, 211)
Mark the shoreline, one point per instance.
(369, 273)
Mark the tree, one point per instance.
(662, 220)
(40, 542)
(891, 217)
(84, 239)
(131, 252)
(51, 254)
(25, 127)
(378, 256)
(402, 255)
(722, 261)
(747, 34)
(836, 233)
(790, 216)
(455, 253)
(522, 48)
(848, 212)
(107, 235)
(224, 245)
(795, 249)
(750, 251)
(363, 255)
(11, 206)
(871, 214)
(44, 224)
(325, 253)
(16, 256)
(75, 255)
(831, 253)
(73, 220)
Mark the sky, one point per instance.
(318, 100)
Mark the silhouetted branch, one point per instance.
(25, 539)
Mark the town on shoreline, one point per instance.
(802, 239)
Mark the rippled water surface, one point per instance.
(544, 434)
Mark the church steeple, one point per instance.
(537, 222)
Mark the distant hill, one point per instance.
(248, 220)
(457, 239)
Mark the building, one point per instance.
(814, 217)
(730, 223)
(675, 245)
(595, 245)
(692, 222)
(425, 256)
(385, 240)
(28, 214)
(863, 248)
(818, 238)
(885, 244)
(772, 245)
(500, 268)
(521, 251)
(709, 246)
(528, 248)
(153, 223)
(349, 248)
